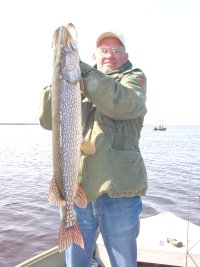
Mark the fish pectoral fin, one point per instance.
(80, 198)
(68, 235)
(88, 147)
(81, 86)
(54, 196)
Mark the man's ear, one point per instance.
(126, 56)
(94, 56)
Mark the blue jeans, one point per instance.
(118, 221)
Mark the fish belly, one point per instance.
(70, 140)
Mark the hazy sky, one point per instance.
(162, 37)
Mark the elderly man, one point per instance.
(114, 179)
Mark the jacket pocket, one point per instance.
(114, 171)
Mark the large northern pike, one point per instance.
(67, 134)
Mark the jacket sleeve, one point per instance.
(44, 110)
(119, 100)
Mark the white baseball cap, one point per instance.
(114, 34)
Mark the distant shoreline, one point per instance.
(19, 123)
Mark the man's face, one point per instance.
(110, 55)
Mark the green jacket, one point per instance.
(113, 111)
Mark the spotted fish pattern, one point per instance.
(67, 134)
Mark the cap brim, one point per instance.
(109, 34)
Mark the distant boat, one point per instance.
(160, 128)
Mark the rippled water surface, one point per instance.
(29, 225)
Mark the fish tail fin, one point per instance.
(54, 196)
(80, 198)
(68, 235)
(88, 147)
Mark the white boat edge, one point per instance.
(153, 250)
(48, 258)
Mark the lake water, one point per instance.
(29, 225)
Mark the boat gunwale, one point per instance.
(40, 257)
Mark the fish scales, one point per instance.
(71, 135)
(67, 135)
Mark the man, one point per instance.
(114, 179)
